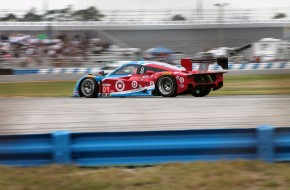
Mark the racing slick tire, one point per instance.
(89, 88)
(166, 86)
(201, 91)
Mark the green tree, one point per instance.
(59, 14)
(178, 17)
(31, 16)
(280, 15)
(9, 17)
(89, 14)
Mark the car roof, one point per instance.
(156, 64)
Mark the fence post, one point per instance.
(61, 148)
(265, 144)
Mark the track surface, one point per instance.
(42, 115)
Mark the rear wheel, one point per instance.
(201, 91)
(166, 86)
(89, 88)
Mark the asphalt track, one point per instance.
(59, 77)
(43, 115)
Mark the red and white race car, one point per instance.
(150, 78)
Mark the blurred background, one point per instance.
(94, 33)
(47, 45)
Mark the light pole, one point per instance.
(220, 22)
(45, 4)
(199, 9)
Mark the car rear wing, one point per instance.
(204, 63)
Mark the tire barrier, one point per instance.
(244, 66)
(6, 71)
(145, 148)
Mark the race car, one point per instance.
(151, 78)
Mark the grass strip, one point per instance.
(263, 84)
(226, 175)
(37, 89)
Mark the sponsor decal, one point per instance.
(106, 84)
(151, 83)
(106, 94)
(181, 79)
(134, 84)
(142, 70)
(120, 86)
(137, 92)
(181, 86)
(177, 77)
(166, 73)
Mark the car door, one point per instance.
(126, 81)
(118, 82)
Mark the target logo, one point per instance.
(120, 86)
(134, 84)
(181, 79)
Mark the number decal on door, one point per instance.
(106, 89)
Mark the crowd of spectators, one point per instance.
(26, 50)
(23, 50)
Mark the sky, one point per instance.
(141, 4)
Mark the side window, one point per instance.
(155, 69)
(143, 69)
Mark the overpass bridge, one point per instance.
(189, 36)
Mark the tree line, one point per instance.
(67, 14)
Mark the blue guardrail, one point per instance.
(244, 66)
(142, 148)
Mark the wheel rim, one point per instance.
(88, 87)
(197, 91)
(165, 85)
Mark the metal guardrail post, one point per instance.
(61, 151)
(265, 144)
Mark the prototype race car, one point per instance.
(150, 78)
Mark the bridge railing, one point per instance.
(149, 147)
(189, 14)
(148, 22)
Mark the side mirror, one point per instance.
(102, 73)
(150, 72)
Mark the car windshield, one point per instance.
(127, 70)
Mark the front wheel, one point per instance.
(89, 88)
(201, 91)
(166, 86)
